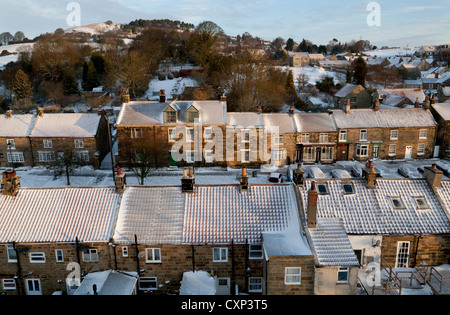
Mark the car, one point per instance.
(409, 171)
(275, 178)
(315, 172)
(338, 173)
(357, 170)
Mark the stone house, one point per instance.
(15, 130)
(441, 112)
(299, 59)
(412, 95)
(357, 94)
(404, 133)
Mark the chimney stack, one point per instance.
(417, 104)
(188, 180)
(243, 182)
(291, 111)
(162, 96)
(376, 106)
(126, 96)
(299, 175)
(433, 176)
(426, 104)
(223, 98)
(9, 113)
(120, 180)
(313, 196)
(370, 175)
(10, 183)
(347, 106)
(40, 111)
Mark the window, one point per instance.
(208, 134)
(422, 134)
(309, 154)
(278, 139)
(362, 149)
(245, 135)
(279, 155)
(327, 153)
(153, 255)
(90, 255)
(397, 203)
(48, 144)
(394, 134)
(81, 156)
(10, 143)
(421, 149)
(245, 156)
(209, 156)
(305, 138)
(12, 256)
(190, 157)
(348, 188)
(125, 251)
(59, 255)
(220, 254)
(15, 157)
(79, 143)
(322, 189)
(323, 138)
(34, 287)
(191, 116)
(172, 135)
(392, 150)
(255, 284)
(421, 203)
(137, 133)
(46, 156)
(402, 258)
(148, 284)
(9, 284)
(37, 258)
(342, 276)
(363, 135)
(255, 252)
(352, 100)
(189, 134)
(170, 117)
(292, 275)
(343, 135)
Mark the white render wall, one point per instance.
(370, 253)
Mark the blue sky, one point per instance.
(403, 22)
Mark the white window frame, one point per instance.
(421, 147)
(9, 284)
(33, 282)
(171, 134)
(15, 157)
(394, 135)
(343, 135)
(48, 144)
(222, 254)
(13, 144)
(255, 251)
(327, 154)
(9, 248)
(207, 134)
(279, 155)
(278, 139)
(306, 138)
(296, 273)
(309, 154)
(363, 135)
(361, 148)
(343, 270)
(91, 255)
(46, 156)
(245, 133)
(154, 257)
(244, 157)
(397, 207)
(392, 150)
(57, 255)
(323, 138)
(426, 205)
(422, 133)
(124, 251)
(137, 133)
(209, 156)
(79, 143)
(81, 156)
(189, 134)
(37, 257)
(148, 280)
(190, 156)
(255, 284)
(404, 255)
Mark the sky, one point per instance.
(394, 23)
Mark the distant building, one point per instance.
(356, 94)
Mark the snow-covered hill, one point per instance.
(96, 28)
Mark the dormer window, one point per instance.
(191, 114)
(170, 116)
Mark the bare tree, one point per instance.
(66, 163)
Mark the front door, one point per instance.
(34, 287)
(342, 152)
(299, 156)
(224, 286)
(318, 155)
(376, 150)
(408, 152)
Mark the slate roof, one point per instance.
(16, 125)
(346, 90)
(244, 120)
(283, 121)
(314, 122)
(67, 125)
(370, 211)
(443, 109)
(58, 215)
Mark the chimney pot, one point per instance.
(223, 98)
(162, 96)
(313, 196)
(243, 182)
(347, 107)
(188, 180)
(9, 113)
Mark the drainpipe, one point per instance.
(20, 286)
(193, 258)
(417, 248)
(137, 254)
(233, 279)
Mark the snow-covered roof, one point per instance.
(58, 215)
(300, 53)
(67, 125)
(346, 90)
(290, 243)
(149, 113)
(383, 118)
(16, 125)
(371, 211)
(446, 90)
(283, 121)
(109, 282)
(444, 193)
(198, 283)
(443, 109)
(392, 100)
(314, 122)
(411, 93)
(244, 120)
(317, 56)
(331, 245)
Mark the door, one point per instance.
(402, 258)
(436, 151)
(408, 152)
(299, 157)
(318, 155)
(342, 152)
(34, 287)
(376, 147)
(223, 287)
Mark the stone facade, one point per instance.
(326, 282)
(21, 151)
(358, 97)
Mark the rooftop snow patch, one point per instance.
(68, 125)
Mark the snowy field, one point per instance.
(314, 74)
(385, 53)
(172, 87)
(7, 59)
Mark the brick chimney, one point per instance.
(126, 96)
(370, 175)
(243, 181)
(433, 99)
(188, 180)
(162, 96)
(299, 175)
(376, 106)
(313, 197)
(433, 176)
(223, 98)
(417, 104)
(347, 106)
(9, 113)
(10, 183)
(291, 111)
(40, 111)
(120, 180)
(426, 103)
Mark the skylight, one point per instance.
(421, 203)
(397, 203)
(323, 189)
(348, 188)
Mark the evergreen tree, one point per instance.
(290, 44)
(359, 71)
(91, 77)
(23, 91)
(69, 82)
(290, 86)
